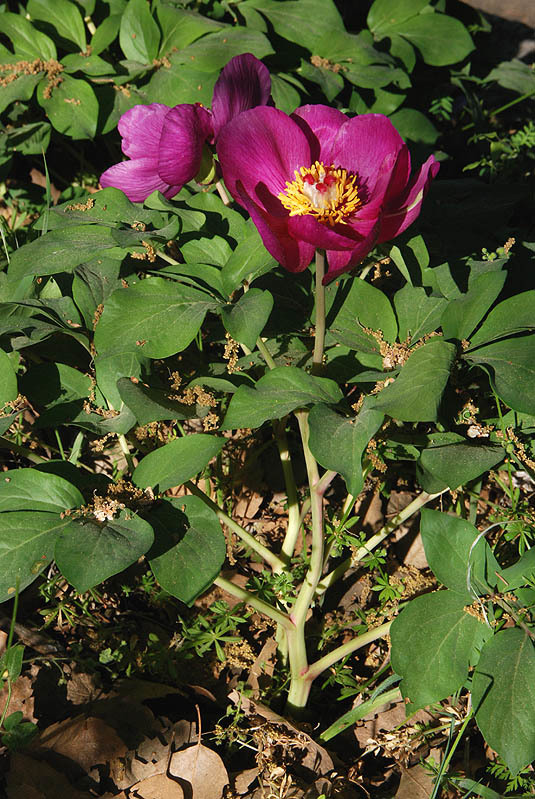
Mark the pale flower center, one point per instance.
(328, 193)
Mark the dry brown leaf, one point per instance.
(85, 741)
(416, 783)
(22, 698)
(83, 688)
(243, 780)
(160, 786)
(33, 779)
(202, 768)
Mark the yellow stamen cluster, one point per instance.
(330, 194)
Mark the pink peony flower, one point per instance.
(165, 145)
(318, 179)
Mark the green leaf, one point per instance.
(181, 83)
(72, 107)
(154, 316)
(11, 662)
(246, 319)
(106, 33)
(416, 393)
(433, 641)
(92, 284)
(503, 695)
(29, 139)
(514, 75)
(60, 250)
(8, 380)
(63, 16)
(463, 314)
(212, 52)
(454, 465)
(88, 552)
(249, 260)
(385, 13)
(364, 306)
(27, 41)
(189, 547)
(513, 315)
(519, 573)
(152, 404)
(414, 126)
(181, 27)
(297, 20)
(58, 391)
(428, 32)
(176, 462)
(113, 365)
(418, 314)
(338, 442)
(513, 368)
(27, 541)
(28, 489)
(20, 89)
(452, 556)
(280, 391)
(139, 35)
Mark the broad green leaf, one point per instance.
(513, 315)
(338, 442)
(428, 32)
(418, 314)
(106, 33)
(181, 83)
(11, 661)
(107, 207)
(155, 317)
(375, 76)
(91, 65)
(215, 250)
(285, 94)
(416, 393)
(434, 638)
(189, 547)
(385, 13)
(27, 41)
(515, 75)
(88, 551)
(114, 364)
(72, 107)
(18, 90)
(29, 139)
(519, 573)
(454, 465)
(92, 284)
(454, 559)
(221, 218)
(463, 314)
(414, 126)
(246, 319)
(181, 27)
(8, 380)
(139, 35)
(212, 52)
(64, 16)
(249, 260)
(176, 462)
(513, 365)
(60, 250)
(27, 541)
(364, 306)
(297, 20)
(28, 489)
(503, 696)
(152, 404)
(280, 391)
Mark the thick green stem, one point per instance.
(315, 669)
(294, 513)
(299, 685)
(376, 539)
(258, 604)
(273, 560)
(319, 334)
(265, 353)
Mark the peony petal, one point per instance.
(185, 129)
(401, 212)
(362, 145)
(261, 149)
(320, 124)
(244, 83)
(140, 128)
(137, 178)
(292, 254)
(322, 235)
(340, 261)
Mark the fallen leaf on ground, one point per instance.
(22, 698)
(159, 786)
(202, 768)
(32, 779)
(87, 742)
(416, 783)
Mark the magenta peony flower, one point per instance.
(318, 179)
(165, 145)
